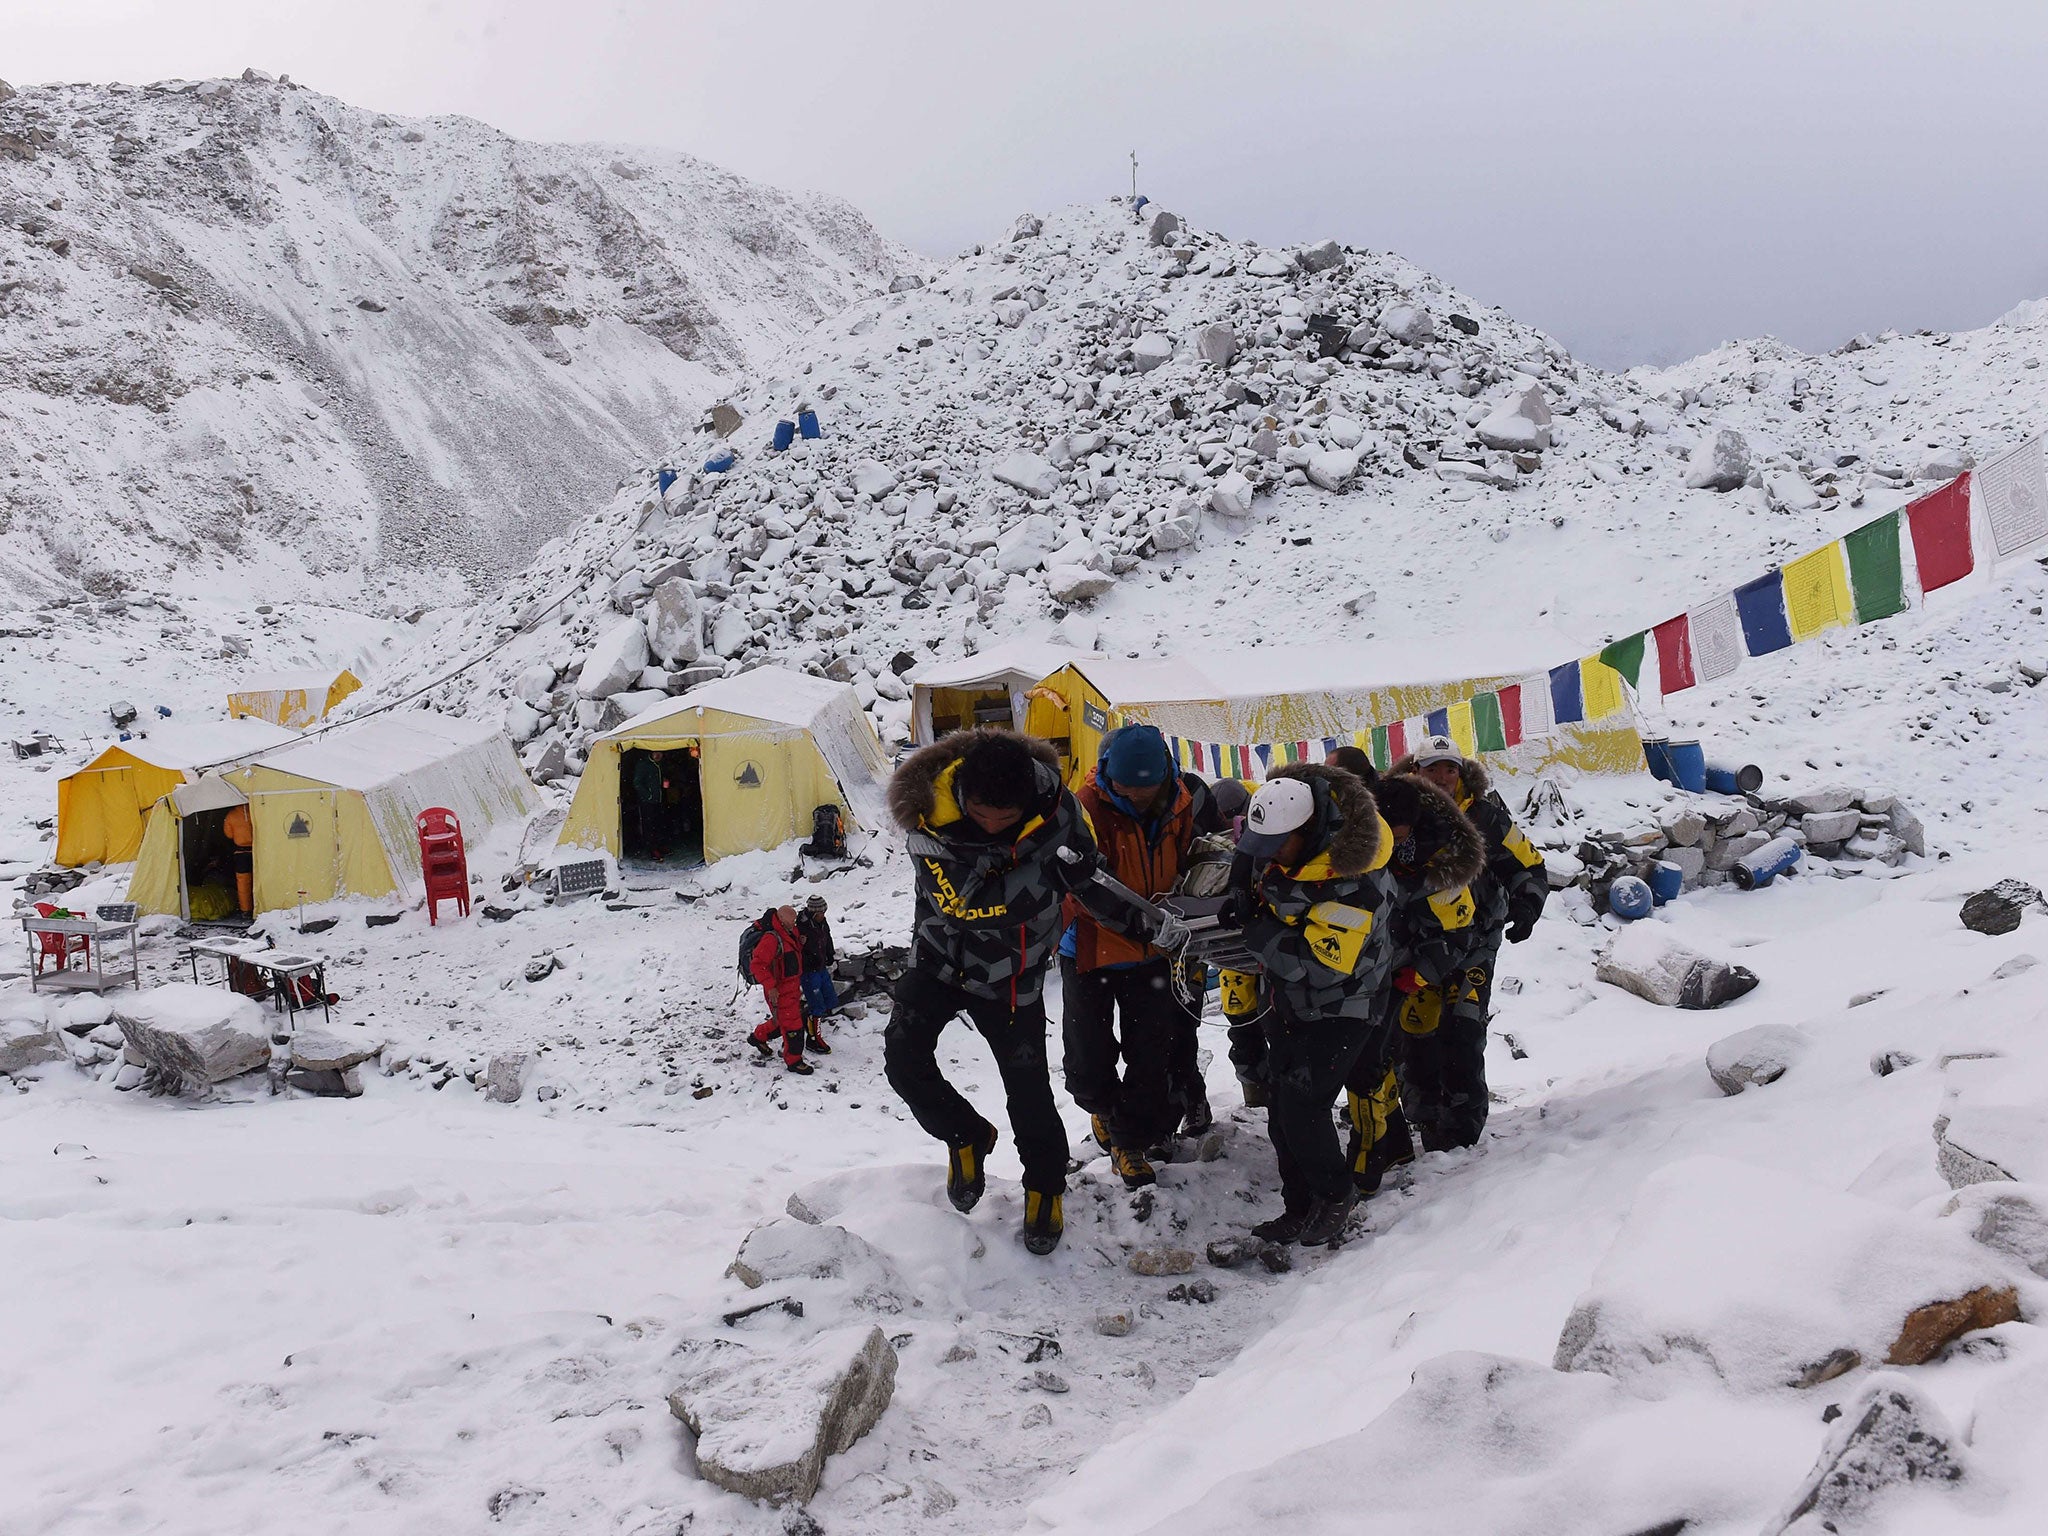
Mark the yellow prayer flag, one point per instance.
(1601, 686)
(1363, 741)
(1817, 591)
(1460, 716)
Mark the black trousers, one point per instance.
(1185, 1090)
(1129, 1013)
(924, 1007)
(1443, 1073)
(1307, 1062)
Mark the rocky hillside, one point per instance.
(240, 320)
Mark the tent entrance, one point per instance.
(661, 807)
(960, 709)
(207, 866)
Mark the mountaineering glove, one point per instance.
(1408, 979)
(1520, 929)
(1171, 933)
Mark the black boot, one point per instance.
(1284, 1228)
(1391, 1151)
(1325, 1224)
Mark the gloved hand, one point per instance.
(1171, 934)
(1520, 929)
(1409, 980)
(1236, 911)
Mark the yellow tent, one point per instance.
(333, 815)
(298, 702)
(1273, 694)
(740, 763)
(101, 807)
(988, 688)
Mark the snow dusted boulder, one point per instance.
(1320, 257)
(675, 623)
(1012, 312)
(1266, 264)
(1025, 544)
(1162, 227)
(1789, 491)
(505, 1076)
(1151, 350)
(1333, 468)
(1076, 583)
(189, 1038)
(791, 1249)
(1520, 424)
(535, 684)
(1890, 1443)
(2011, 1219)
(1993, 1122)
(1027, 226)
(1760, 1280)
(730, 631)
(905, 282)
(766, 1420)
(1344, 432)
(1752, 1057)
(1216, 345)
(1172, 533)
(1647, 960)
(1231, 496)
(1720, 463)
(873, 479)
(614, 661)
(1945, 464)
(1028, 473)
(318, 1051)
(29, 1035)
(1409, 324)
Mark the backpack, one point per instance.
(756, 931)
(828, 834)
(1206, 870)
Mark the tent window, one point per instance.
(661, 806)
(209, 866)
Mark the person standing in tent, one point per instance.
(1313, 913)
(1449, 1064)
(236, 828)
(775, 959)
(821, 998)
(998, 844)
(1434, 924)
(1119, 992)
(648, 807)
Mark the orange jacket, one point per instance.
(236, 825)
(1151, 867)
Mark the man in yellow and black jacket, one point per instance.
(1431, 1045)
(1316, 852)
(987, 820)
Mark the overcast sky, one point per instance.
(1643, 178)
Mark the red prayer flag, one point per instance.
(1511, 713)
(1674, 654)
(1397, 741)
(1941, 534)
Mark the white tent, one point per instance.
(974, 689)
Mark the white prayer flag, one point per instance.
(1716, 631)
(1537, 719)
(2015, 492)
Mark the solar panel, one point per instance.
(580, 877)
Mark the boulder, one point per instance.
(905, 282)
(1645, 959)
(1012, 312)
(1907, 829)
(1076, 583)
(675, 623)
(1028, 473)
(1344, 432)
(1231, 496)
(1150, 350)
(1026, 226)
(1520, 424)
(28, 1035)
(1683, 829)
(1891, 1441)
(1025, 544)
(731, 630)
(789, 1248)
(1818, 800)
(1266, 264)
(1161, 227)
(188, 1038)
(766, 1420)
(1216, 345)
(1999, 909)
(1789, 491)
(1409, 324)
(1320, 257)
(1720, 463)
(1161, 1261)
(873, 479)
(1831, 826)
(1752, 1057)
(1175, 533)
(1945, 464)
(724, 418)
(1930, 1329)
(315, 1050)
(2012, 1219)
(505, 1076)
(1993, 1121)
(1333, 468)
(522, 721)
(614, 661)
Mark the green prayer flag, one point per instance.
(1489, 730)
(1626, 657)
(1874, 574)
(1380, 760)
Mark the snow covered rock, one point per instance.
(1831, 826)
(522, 721)
(731, 631)
(1151, 350)
(1231, 496)
(1216, 344)
(614, 661)
(1945, 464)
(765, 1421)
(1320, 257)
(1817, 800)
(1520, 424)
(1344, 432)
(1760, 1280)
(675, 623)
(505, 1076)
(1993, 1122)
(1162, 227)
(28, 1035)
(1333, 468)
(791, 1249)
(1930, 1329)
(1721, 463)
(2000, 908)
(318, 1051)
(1266, 264)
(1891, 1442)
(1026, 227)
(1789, 491)
(188, 1038)
(1409, 324)
(2012, 1219)
(1029, 473)
(873, 479)
(1024, 545)
(1752, 1057)
(1648, 961)
(1076, 583)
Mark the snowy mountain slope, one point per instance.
(241, 319)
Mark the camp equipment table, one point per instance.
(282, 969)
(96, 974)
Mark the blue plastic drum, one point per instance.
(1657, 753)
(1630, 898)
(1667, 881)
(1688, 765)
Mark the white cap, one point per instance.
(1437, 749)
(1281, 808)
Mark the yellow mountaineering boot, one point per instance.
(1132, 1167)
(1044, 1221)
(966, 1171)
(1099, 1129)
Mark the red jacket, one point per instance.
(778, 965)
(1149, 866)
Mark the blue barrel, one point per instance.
(1725, 778)
(1629, 898)
(663, 479)
(785, 434)
(1657, 753)
(1688, 765)
(1754, 870)
(1667, 881)
(718, 463)
(807, 424)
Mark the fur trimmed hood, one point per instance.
(1356, 847)
(1471, 773)
(1448, 847)
(914, 787)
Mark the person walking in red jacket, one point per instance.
(777, 963)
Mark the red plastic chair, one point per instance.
(444, 861)
(59, 946)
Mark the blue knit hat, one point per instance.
(1136, 755)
